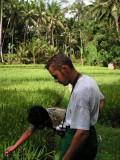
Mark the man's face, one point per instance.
(59, 76)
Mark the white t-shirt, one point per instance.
(84, 103)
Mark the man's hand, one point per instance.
(8, 150)
(22, 139)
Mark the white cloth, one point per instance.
(84, 103)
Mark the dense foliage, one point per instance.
(35, 28)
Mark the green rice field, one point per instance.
(22, 86)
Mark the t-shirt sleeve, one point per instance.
(81, 112)
(31, 128)
(57, 116)
(101, 96)
(81, 118)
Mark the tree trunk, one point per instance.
(79, 19)
(1, 33)
(52, 37)
(81, 46)
(66, 53)
(117, 27)
(6, 30)
(25, 35)
(57, 42)
(12, 40)
(70, 42)
(39, 32)
(33, 58)
(58, 47)
(115, 15)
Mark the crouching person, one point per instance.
(39, 118)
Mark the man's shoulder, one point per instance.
(83, 85)
(31, 128)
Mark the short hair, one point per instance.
(58, 60)
(37, 115)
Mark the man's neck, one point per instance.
(73, 75)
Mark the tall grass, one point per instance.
(22, 86)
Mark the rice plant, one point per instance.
(22, 86)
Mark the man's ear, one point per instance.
(65, 68)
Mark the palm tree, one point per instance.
(21, 52)
(77, 9)
(14, 18)
(12, 11)
(1, 32)
(36, 46)
(54, 18)
(51, 50)
(40, 13)
(108, 11)
(27, 14)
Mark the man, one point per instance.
(39, 118)
(85, 103)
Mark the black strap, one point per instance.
(75, 81)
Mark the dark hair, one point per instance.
(58, 60)
(37, 115)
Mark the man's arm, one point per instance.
(23, 138)
(77, 144)
(102, 104)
